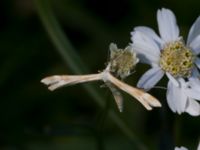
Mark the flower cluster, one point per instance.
(169, 55)
(118, 66)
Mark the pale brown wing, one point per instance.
(58, 81)
(147, 100)
(117, 96)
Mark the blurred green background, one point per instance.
(46, 37)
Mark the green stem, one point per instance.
(73, 60)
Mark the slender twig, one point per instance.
(101, 122)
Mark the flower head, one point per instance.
(122, 61)
(170, 55)
(184, 148)
(181, 148)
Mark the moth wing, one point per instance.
(147, 100)
(58, 81)
(117, 96)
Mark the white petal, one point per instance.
(146, 47)
(172, 79)
(198, 148)
(193, 94)
(195, 72)
(150, 33)
(194, 88)
(113, 47)
(167, 25)
(176, 98)
(143, 59)
(193, 107)
(170, 96)
(194, 83)
(146, 41)
(181, 148)
(194, 31)
(197, 62)
(195, 45)
(150, 78)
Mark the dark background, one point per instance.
(33, 118)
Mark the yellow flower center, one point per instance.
(177, 59)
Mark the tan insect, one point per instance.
(121, 62)
(147, 100)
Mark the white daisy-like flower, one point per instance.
(170, 55)
(180, 148)
(183, 98)
(184, 148)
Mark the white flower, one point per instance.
(183, 148)
(183, 98)
(168, 54)
(180, 148)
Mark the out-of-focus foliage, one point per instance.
(33, 118)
